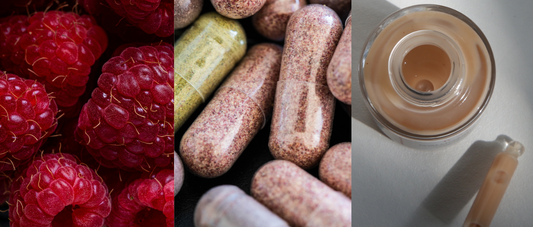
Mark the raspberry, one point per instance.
(152, 16)
(145, 202)
(128, 122)
(55, 190)
(56, 48)
(27, 118)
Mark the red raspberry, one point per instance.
(145, 202)
(128, 122)
(56, 48)
(57, 191)
(152, 16)
(27, 118)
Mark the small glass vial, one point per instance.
(496, 182)
(427, 73)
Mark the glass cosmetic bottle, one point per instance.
(427, 73)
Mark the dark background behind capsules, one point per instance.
(255, 155)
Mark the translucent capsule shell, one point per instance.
(203, 56)
(304, 106)
(227, 205)
(233, 117)
(298, 197)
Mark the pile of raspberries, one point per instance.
(86, 112)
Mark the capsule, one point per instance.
(340, 67)
(229, 206)
(236, 113)
(203, 56)
(271, 21)
(186, 11)
(304, 106)
(335, 168)
(341, 7)
(298, 197)
(178, 174)
(237, 9)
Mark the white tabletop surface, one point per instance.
(394, 185)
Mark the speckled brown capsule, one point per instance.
(335, 169)
(300, 198)
(271, 20)
(186, 11)
(340, 67)
(235, 114)
(341, 7)
(304, 106)
(237, 9)
(178, 174)
(203, 56)
(227, 205)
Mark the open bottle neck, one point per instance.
(427, 91)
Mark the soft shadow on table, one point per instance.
(367, 14)
(459, 185)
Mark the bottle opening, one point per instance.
(426, 68)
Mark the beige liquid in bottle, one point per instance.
(426, 67)
(427, 75)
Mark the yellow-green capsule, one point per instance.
(203, 56)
